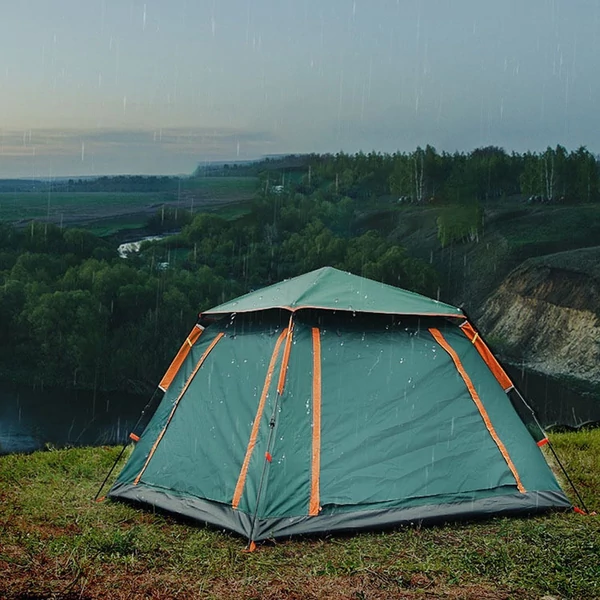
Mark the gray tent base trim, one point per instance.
(225, 517)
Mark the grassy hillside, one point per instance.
(511, 232)
(57, 543)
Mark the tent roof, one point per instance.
(330, 289)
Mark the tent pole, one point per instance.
(267, 459)
(562, 468)
(149, 403)
(262, 475)
(110, 472)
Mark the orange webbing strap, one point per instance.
(174, 367)
(176, 404)
(239, 488)
(439, 338)
(313, 507)
(286, 356)
(488, 357)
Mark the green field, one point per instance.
(221, 186)
(122, 210)
(23, 206)
(113, 226)
(57, 543)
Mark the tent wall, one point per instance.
(375, 425)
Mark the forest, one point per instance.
(75, 314)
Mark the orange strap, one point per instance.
(174, 367)
(439, 338)
(488, 357)
(314, 508)
(239, 488)
(286, 357)
(176, 404)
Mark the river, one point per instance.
(555, 404)
(30, 418)
(133, 246)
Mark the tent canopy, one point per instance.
(386, 411)
(331, 289)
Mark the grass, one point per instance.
(15, 206)
(222, 186)
(234, 211)
(512, 232)
(56, 543)
(109, 227)
(553, 229)
(86, 207)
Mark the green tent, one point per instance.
(330, 402)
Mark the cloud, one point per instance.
(129, 150)
(64, 142)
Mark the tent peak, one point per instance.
(329, 288)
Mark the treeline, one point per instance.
(121, 183)
(283, 240)
(76, 315)
(425, 175)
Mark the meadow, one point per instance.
(57, 543)
(106, 212)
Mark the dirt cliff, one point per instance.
(546, 313)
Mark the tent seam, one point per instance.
(439, 338)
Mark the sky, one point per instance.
(90, 87)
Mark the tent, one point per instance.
(331, 402)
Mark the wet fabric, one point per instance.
(412, 425)
(329, 288)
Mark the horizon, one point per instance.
(65, 177)
(107, 88)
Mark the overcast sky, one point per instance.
(127, 86)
